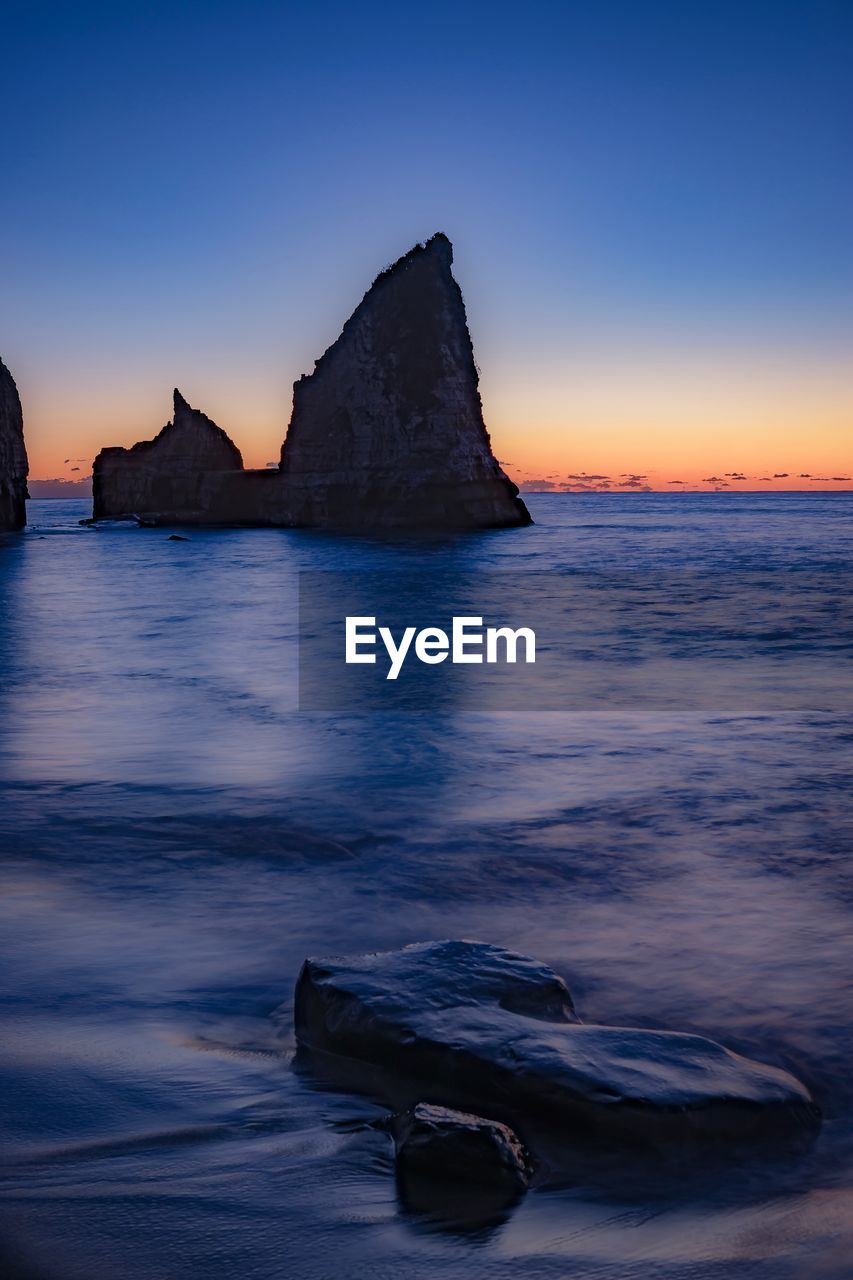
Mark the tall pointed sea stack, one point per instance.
(388, 430)
(173, 477)
(13, 455)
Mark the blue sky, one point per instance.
(199, 193)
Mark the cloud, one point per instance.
(780, 475)
(676, 482)
(537, 486)
(59, 488)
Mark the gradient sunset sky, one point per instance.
(650, 203)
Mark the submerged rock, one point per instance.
(174, 477)
(444, 1144)
(387, 432)
(496, 1031)
(13, 455)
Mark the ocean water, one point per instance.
(177, 836)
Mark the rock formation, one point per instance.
(387, 432)
(388, 429)
(176, 476)
(441, 1143)
(13, 455)
(496, 1033)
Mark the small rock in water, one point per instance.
(177, 537)
(437, 1142)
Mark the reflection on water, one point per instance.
(176, 838)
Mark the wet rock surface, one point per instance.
(386, 433)
(442, 1143)
(13, 455)
(497, 1033)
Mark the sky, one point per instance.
(649, 200)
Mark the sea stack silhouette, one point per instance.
(13, 455)
(386, 433)
(176, 475)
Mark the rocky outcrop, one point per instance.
(13, 455)
(496, 1033)
(444, 1144)
(178, 476)
(386, 433)
(388, 430)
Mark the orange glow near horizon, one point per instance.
(710, 423)
(628, 425)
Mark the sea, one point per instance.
(178, 832)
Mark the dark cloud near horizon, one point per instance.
(583, 482)
(61, 488)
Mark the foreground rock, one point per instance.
(444, 1144)
(178, 476)
(386, 433)
(496, 1031)
(13, 455)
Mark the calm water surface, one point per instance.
(176, 838)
